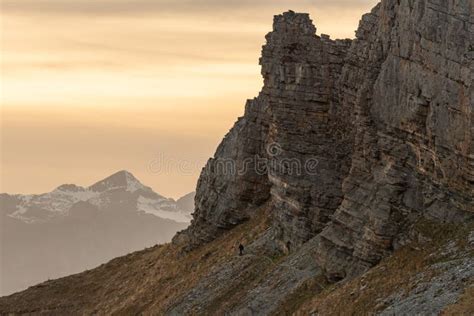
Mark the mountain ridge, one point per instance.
(61, 199)
(74, 228)
(120, 179)
(368, 175)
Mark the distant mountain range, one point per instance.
(74, 228)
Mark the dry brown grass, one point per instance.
(153, 280)
(184, 271)
(305, 292)
(465, 305)
(365, 294)
(148, 281)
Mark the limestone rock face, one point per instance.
(291, 147)
(351, 141)
(307, 143)
(408, 79)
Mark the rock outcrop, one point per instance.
(408, 79)
(358, 138)
(291, 147)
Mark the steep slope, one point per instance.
(147, 281)
(348, 152)
(434, 273)
(72, 228)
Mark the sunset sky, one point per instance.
(90, 87)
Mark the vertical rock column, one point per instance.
(308, 143)
(296, 127)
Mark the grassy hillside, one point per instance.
(433, 274)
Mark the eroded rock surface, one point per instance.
(385, 118)
(408, 77)
(291, 147)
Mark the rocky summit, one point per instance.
(350, 178)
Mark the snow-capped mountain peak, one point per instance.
(120, 192)
(120, 180)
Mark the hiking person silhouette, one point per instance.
(241, 250)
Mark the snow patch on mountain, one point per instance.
(132, 183)
(160, 209)
(57, 202)
(117, 188)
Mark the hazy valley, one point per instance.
(72, 228)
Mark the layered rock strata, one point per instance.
(359, 138)
(408, 79)
(291, 147)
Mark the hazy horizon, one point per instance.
(93, 87)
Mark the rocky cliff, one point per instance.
(350, 151)
(296, 123)
(360, 138)
(408, 80)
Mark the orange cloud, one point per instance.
(85, 80)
